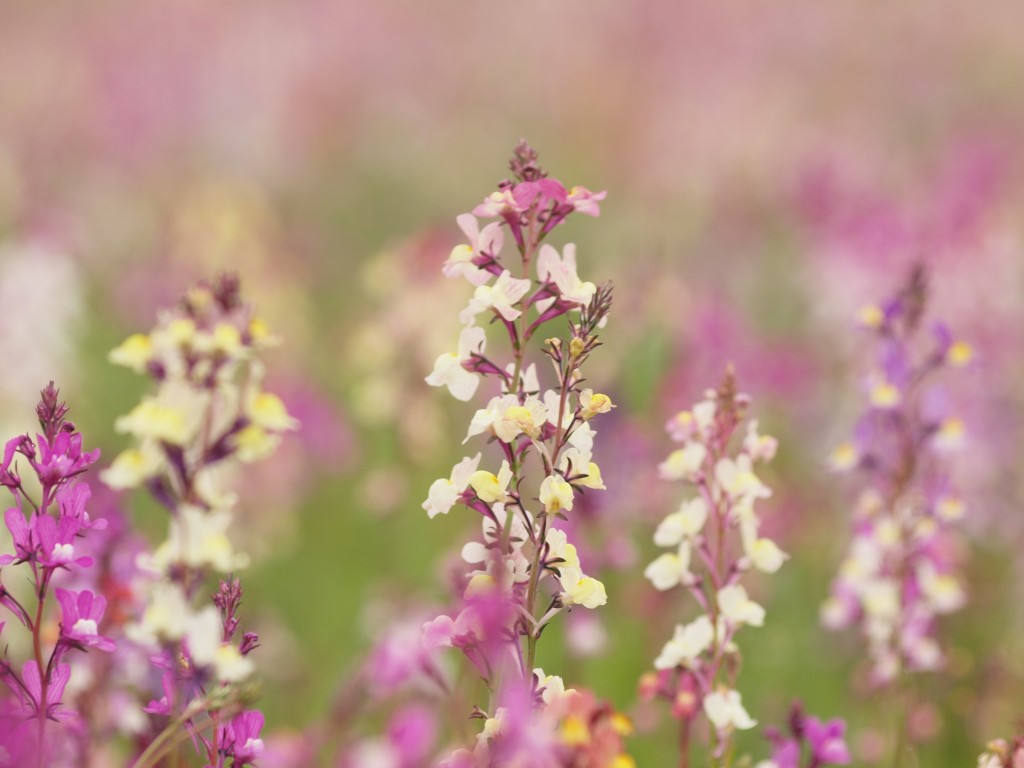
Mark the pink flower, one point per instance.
(54, 692)
(585, 201)
(81, 614)
(242, 738)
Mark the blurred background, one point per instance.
(770, 168)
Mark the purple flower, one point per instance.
(162, 706)
(54, 692)
(7, 477)
(81, 613)
(827, 741)
(62, 458)
(786, 753)
(242, 737)
(412, 732)
(23, 536)
(57, 542)
(72, 500)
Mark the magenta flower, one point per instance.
(827, 741)
(62, 458)
(23, 536)
(162, 706)
(7, 476)
(242, 738)
(72, 499)
(81, 614)
(33, 691)
(412, 731)
(56, 542)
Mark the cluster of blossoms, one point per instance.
(521, 555)
(46, 530)
(714, 539)
(1002, 754)
(822, 743)
(208, 414)
(898, 576)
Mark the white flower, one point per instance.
(684, 523)
(763, 553)
(448, 368)
(881, 599)
(500, 297)
(950, 436)
(444, 493)
(737, 479)
(766, 555)
(163, 618)
(131, 468)
(489, 487)
(527, 419)
(687, 644)
(843, 458)
(577, 587)
(268, 411)
(562, 272)
(684, 463)
(555, 494)
(560, 548)
(552, 686)
(204, 633)
(738, 608)
(580, 589)
(199, 539)
(725, 710)
(704, 415)
(460, 261)
(759, 447)
(485, 419)
(942, 591)
(592, 403)
(670, 569)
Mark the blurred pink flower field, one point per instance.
(590, 385)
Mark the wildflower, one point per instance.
(737, 608)
(687, 644)
(683, 464)
(81, 614)
(556, 494)
(501, 297)
(450, 371)
(444, 493)
(670, 569)
(896, 576)
(561, 271)
(203, 635)
(591, 404)
(687, 522)
(482, 243)
(727, 494)
(725, 710)
(491, 488)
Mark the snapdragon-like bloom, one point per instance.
(501, 297)
(524, 570)
(81, 614)
(705, 558)
(898, 576)
(484, 246)
(208, 412)
(450, 369)
(824, 743)
(49, 525)
(444, 493)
